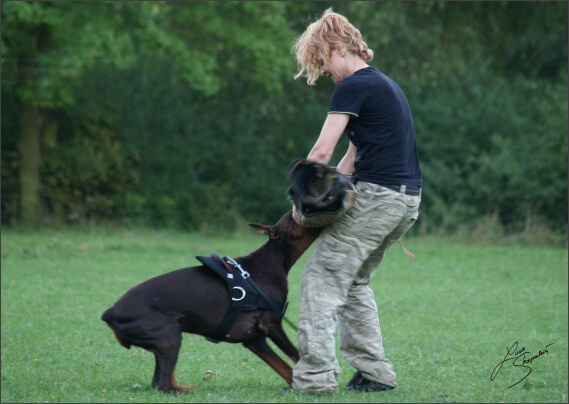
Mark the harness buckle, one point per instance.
(235, 264)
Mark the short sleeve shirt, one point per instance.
(380, 126)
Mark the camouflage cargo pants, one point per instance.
(335, 290)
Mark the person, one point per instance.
(382, 162)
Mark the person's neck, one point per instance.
(355, 62)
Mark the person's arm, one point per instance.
(333, 127)
(323, 149)
(346, 165)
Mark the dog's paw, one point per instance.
(187, 389)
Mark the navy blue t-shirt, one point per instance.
(380, 126)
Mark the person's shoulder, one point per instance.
(369, 71)
(358, 77)
(369, 75)
(376, 77)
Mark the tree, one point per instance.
(206, 106)
(205, 160)
(49, 47)
(52, 48)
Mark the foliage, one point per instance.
(489, 155)
(83, 176)
(204, 116)
(447, 318)
(51, 45)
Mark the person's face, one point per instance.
(333, 67)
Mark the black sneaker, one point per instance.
(360, 383)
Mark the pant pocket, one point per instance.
(334, 255)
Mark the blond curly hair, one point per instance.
(331, 32)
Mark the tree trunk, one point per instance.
(52, 208)
(30, 156)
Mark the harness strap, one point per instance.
(244, 292)
(274, 305)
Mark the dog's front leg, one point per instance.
(279, 337)
(260, 348)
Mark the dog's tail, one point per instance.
(109, 318)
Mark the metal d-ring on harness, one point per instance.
(240, 289)
(249, 295)
(244, 274)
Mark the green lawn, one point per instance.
(448, 318)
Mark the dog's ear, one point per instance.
(261, 228)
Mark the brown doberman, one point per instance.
(195, 300)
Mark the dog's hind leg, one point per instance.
(166, 356)
(156, 377)
(260, 348)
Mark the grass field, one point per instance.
(448, 319)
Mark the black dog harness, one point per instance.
(245, 294)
